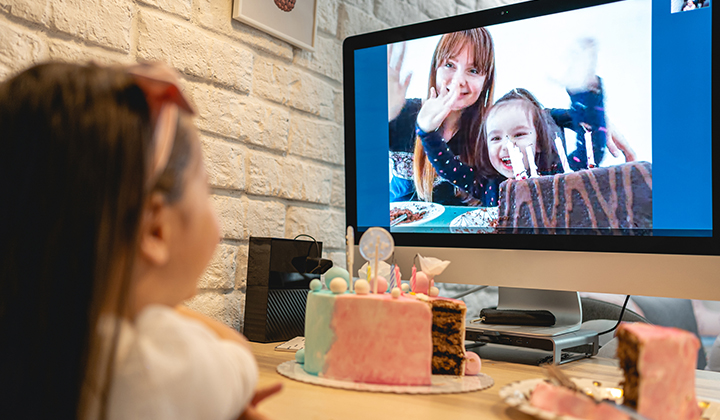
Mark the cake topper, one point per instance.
(376, 244)
(384, 270)
(432, 266)
(335, 272)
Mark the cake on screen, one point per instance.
(585, 202)
(378, 336)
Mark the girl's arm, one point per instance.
(446, 164)
(449, 167)
(222, 330)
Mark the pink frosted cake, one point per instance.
(381, 339)
(659, 367)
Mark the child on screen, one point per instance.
(517, 121)
(108, 226)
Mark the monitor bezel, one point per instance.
(678, 245)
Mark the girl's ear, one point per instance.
(155, 232)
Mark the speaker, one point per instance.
(279, 272)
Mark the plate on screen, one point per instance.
(480, 220)
(413, 213)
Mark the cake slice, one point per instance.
(566, 402)
(659, 368)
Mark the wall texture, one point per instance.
(270, 115)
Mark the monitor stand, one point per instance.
(565, 334)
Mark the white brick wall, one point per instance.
(270, 114)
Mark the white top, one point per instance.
(172, 367)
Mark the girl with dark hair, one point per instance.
(106, 227)
(517, 120)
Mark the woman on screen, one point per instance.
(461, 82)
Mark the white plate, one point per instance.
(441, 384)
(432, 210)
(517, 394)
(475, 221)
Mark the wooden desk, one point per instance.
(304, 401)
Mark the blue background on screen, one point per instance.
(682, 128)
(372, 137)
(681, 125)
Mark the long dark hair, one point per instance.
(546, 158)
(469, 125)
(73, 150)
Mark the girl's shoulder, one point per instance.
(163, 356)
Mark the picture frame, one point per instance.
(293, 21)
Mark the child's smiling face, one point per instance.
(459, 72)
(507, 123)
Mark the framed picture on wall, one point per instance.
(293, 21)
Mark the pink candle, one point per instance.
(398, 280)
(412, 279)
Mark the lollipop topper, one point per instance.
(376, 244)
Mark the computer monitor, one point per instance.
(654, 62)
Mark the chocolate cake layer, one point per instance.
(448, 335)
(615, 200)
(628, 352)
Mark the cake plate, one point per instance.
(441, 384)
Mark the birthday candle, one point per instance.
(350, 251)
(398, 279)
(392, 277)
(589, 149)
(412, 279)
(369, 275)
(377, 251)
(562, 154)
(516, 160)
(531, 161)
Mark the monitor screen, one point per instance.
(545, 125)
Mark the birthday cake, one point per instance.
(610, 200)
(383, 338)
(659, 371)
